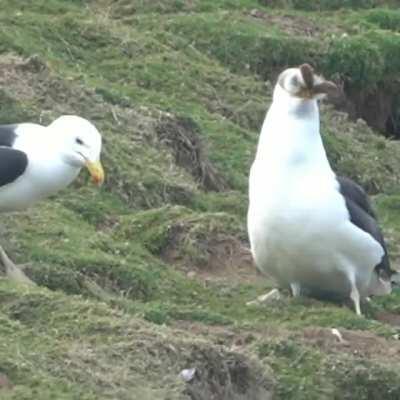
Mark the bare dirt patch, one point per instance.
(389, 318)
(288, 23)
(226, 376)
(5, 382)
(39, 95)
(157, 358)
(358, 343)
(222, 257)
(376, 106)
(17, 76)
(182, 137)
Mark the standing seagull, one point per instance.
(38, 161)
(309, 229)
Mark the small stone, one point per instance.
(361, 122)
(188, 374)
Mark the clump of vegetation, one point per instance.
(327, 5)
(384, 19)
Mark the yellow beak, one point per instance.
(96, 171)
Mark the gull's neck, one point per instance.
(291, 131)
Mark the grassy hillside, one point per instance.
(150, 275)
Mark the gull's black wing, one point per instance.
(363, 216)
(13, 164)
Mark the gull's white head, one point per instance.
(302, 83)
(81, 144)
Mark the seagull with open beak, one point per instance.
(312, 231)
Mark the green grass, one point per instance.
(149, 274)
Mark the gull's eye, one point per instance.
(79, 141)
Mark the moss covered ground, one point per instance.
(150, 275)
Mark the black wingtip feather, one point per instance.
(363, 216)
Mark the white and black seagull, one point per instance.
(312, 231)
(37, 161)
